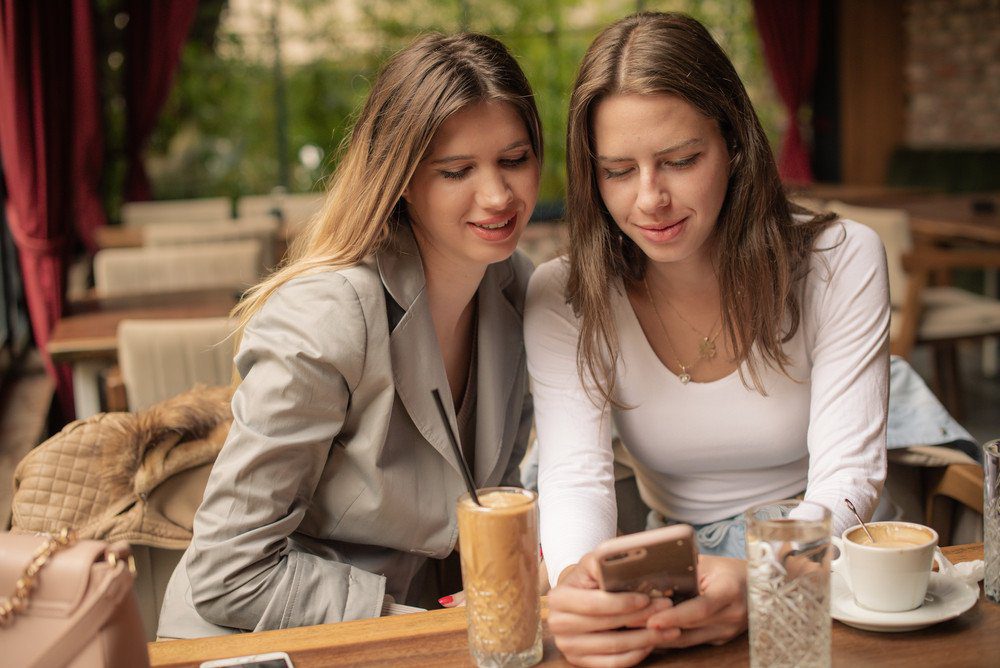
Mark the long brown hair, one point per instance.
(414, 93)
(757, 245)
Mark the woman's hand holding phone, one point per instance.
(717, 615)
(593, 627)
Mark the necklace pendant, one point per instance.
(706, 349)
(685, 378)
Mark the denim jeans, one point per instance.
(725, 538)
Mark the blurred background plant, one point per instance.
(266, 89)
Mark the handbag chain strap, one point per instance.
(9, 607)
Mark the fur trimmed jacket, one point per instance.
(137, 477)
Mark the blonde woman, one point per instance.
(336, 488)
(740, 351)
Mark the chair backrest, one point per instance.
(176, 211)
(259, 205)
(263, 229)
(297, 210)
(893, 227)
(160, 359)
(122, 271)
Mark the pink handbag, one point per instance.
(70, 603)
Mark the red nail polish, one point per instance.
(540, 555)
(445, 600)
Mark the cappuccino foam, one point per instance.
(891, 535)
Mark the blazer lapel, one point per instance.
(417, 366)
(500, 357)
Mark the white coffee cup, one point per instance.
(890, 575)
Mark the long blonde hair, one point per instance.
(760, 251)
(414, 93)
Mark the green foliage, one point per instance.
(218, 133)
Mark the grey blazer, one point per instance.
(337, 480)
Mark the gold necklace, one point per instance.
(706, 347)
(685, 376)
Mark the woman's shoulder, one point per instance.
(847, 243)
(848, 233)
(547, 292)
(321, 298)
(357, 278)
(550, 276)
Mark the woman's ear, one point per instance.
(406, 194)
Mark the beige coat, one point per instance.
(337, 480)
(125, 476)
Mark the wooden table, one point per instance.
(118, 236)
(869, 195)
(950, 218)
(438, 638)
(88, 338)
(131, 236)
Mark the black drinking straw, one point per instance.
(466, 473)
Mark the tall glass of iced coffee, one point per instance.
(498, 542)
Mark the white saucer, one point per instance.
(947, 598)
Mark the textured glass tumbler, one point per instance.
(991, 519)
(788, 584)
(499, 551)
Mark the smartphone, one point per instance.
(659, 562)
(268, 660)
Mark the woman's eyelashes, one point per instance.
(674, 164)
(514, 162)
(507, 163)
(458, 174)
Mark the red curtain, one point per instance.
(789, 31)
(51, 144)
(157, 30)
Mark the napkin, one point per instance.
(390, 607)
(969, 572)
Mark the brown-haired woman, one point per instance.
(740, 350)
(336, 486)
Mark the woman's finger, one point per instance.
(454, 601)
(595, 602)
(715, 634)
(689, 614)
(608, 642)
(561, 622)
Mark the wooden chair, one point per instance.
(256, 206)
(956, 486)
(940, 487)
(176, 211)
(297, 210)
(925, 314)
(159, 359)
(124, 271)
(262, 228)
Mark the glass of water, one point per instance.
(788, 584)
(991, 520)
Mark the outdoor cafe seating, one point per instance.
(157, 160)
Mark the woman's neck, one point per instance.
(451, 289)
(694, 281)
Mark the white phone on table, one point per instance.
(268, 660)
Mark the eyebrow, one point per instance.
(662, 151)
(451, 158)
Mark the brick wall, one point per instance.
(953, 73)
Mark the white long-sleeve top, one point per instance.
(703, 452)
